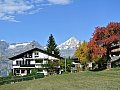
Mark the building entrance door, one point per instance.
(28, 71)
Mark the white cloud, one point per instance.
(63, 2)
(10, 8)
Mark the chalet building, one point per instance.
(75, 65)
(36, 58)
(115, 54)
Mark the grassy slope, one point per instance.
(104, 80)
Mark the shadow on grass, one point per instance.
(98, 69)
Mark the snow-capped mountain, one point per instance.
(15, 45)
(69, 44)
(68, 48)
(17, 48)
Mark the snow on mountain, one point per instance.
(68, 48)
(17, 48)
(12, 46)
(69, 44)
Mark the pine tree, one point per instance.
(52, 46)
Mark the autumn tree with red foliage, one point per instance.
(102, 39)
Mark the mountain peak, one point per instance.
(73, 38)
(69, 44)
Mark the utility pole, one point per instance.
(66, 61)
(65, 64)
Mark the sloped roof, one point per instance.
(33, 49)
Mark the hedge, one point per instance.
(14, 79)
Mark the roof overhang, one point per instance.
(34, 49)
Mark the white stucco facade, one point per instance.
(28, 61)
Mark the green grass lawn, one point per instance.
(102, 80)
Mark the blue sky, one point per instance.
(27, 20)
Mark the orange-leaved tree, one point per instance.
(99, 45)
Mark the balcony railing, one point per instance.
(29, 65)
(25, 65)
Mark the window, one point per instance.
(22, 71)
(37, 53)
(27, 62)
(17, 71)
(17, 62)
(22, 62)
(28, 55)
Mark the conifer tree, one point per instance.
(52, 46)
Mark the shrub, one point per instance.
(10, 74)
(13, 79)
(40, 75)
(34, 71)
